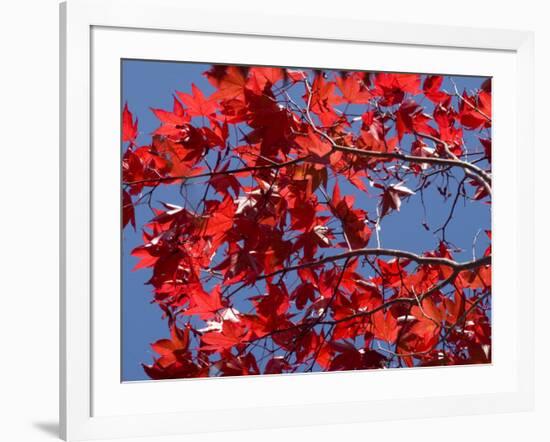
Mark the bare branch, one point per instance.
(420, 259)
(273, 165)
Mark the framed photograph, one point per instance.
(284, 221)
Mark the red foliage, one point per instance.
(275, 270)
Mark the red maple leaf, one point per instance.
(197, 104)
(231, 334)
(353, 89)
(205, 305)
(353, 220)
(312, 143)
(393, 87)
(475, 110)
(384, 326)
(229, 81)
(128, 215)
(432, 90)
(171, 122)
(260, 77)
(129, 126)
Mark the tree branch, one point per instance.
(383, 306)
(420, 259)
(461, 98)
(477, 173)
(273, 165)
(485, 177)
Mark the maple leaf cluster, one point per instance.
(268, 261)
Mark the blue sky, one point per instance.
(151, 84)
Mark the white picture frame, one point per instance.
(94, 404)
